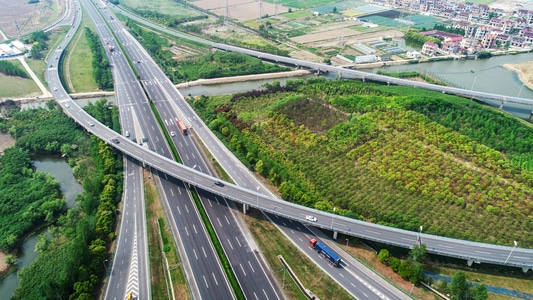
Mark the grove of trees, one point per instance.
(70, 256)
(211, 65)
(101, 68)
(10, 69)
(396, 156)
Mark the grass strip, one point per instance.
(119, 44)
(165, 132)
(158, 228)
(220, 252)
(273, 243)
(214, 239)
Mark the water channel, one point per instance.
(486, 75)
(61, 171)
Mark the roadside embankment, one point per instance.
(524, 71)
(243, 78)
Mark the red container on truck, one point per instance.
(182, 127)
(324, 250)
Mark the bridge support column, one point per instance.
(335, 233)
(339, 76)
(244, 208)
(470, 262)
(317, 72)
(525, 269)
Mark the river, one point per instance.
(61, 171)
(485, 75)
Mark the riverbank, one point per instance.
(524, 71)
(243, 78)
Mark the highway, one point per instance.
(251, 271)
(205, 274)
(364, 76)
(463, 249)
(470, 251)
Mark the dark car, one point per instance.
(116, 141)
(220, 184)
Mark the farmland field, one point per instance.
(29, 17)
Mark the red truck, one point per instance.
(111, 48)
(182, 127)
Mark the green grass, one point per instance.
(15, 87)
(80, 64)
(37, 66)
(312, 277)
(297, 14)
(163, 6)
(476, 2)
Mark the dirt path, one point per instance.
(242, 78)
(45, 92)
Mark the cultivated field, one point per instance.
(29, 17)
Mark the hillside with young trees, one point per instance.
(396, 156)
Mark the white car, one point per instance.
(172, 133)
(310, 218)
(67, 105)
(55, 89)
(91, 124)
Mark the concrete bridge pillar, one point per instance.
(525, 269)
(244, 208)
(318, 72)
(470, 262)
(335, 233)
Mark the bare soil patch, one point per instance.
(524, 71)
(6, 141)
(242, 10)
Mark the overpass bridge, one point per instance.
(472, 252)
(365, 76)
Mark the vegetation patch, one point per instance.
(10, 69)
(80, 62)
(101, 68)
(159, 235)
(70, 256)
(312, 277)
(402, 157)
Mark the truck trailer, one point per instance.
(182, 127)
(332, 257)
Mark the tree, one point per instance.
(418, 253)
(479, 292)
(384, 256)
(460, 288)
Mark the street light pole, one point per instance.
(105, 267)
(515, 244)
(257, 196)
(472, 87)
(347, 243)
(194, 174)
(333, 216)
(418, 240)
(520, 91)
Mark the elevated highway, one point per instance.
(470, 251)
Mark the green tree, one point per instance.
(418, 253)
(460, 288)
(384, 256)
